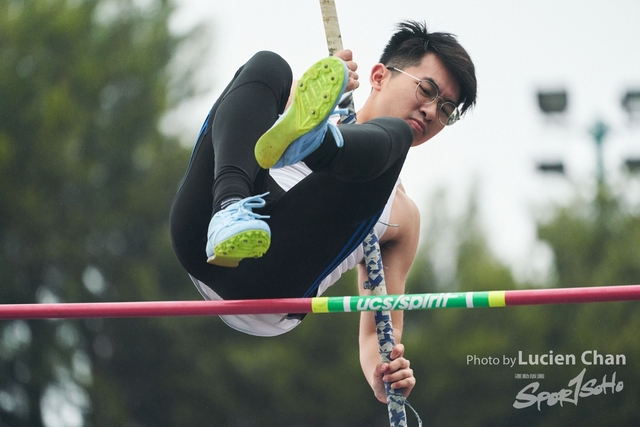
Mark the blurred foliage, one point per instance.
(594, 244)
(87, 181)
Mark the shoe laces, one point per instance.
(242, 210)
(337, 135)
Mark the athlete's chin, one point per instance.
(419, 139)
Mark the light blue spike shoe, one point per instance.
(236, 233)
(301, 129)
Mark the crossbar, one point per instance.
(323, 304)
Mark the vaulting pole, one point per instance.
(384, 327)
(386, 342)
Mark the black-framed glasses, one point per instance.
(427, 93)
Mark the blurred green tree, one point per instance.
(593, 243)
(86, 180)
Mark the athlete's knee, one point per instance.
(270, 68)
(398, 130)
(268, 58)
(371, 149)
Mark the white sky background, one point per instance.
(591, 48)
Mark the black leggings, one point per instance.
(316, 224)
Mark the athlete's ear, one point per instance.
(379, 72)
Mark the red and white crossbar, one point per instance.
(323, 304)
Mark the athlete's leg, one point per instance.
(318, 223)
(223, 164)
(252, 103)
(369, 150)
(323, 218)
(236, 232)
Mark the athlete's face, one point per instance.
(394, 95)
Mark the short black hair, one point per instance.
(412, 41)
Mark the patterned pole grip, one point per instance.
(386, 342)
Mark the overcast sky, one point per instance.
(588, 47)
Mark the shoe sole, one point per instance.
(315, 97)
(247, 244)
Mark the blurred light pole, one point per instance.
(599, 131)
(553, 104)
(631, 104)
(551, 167)
(633, 165)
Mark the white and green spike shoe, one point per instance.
(301, 129)
(236, 233)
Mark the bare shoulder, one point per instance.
(398, 244)
(405, 217)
